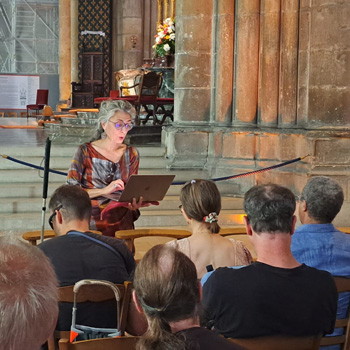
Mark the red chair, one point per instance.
(42, 97)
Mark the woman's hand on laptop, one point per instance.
(116, 185)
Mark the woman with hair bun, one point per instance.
(104, 165)
(200, 206)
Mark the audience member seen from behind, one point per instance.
(167, 291)
(317, 242)
(28, 296)
(200, 206)
(276, 295)
(104, 165)
(78, 254)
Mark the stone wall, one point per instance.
(133, 21)
(262, 82)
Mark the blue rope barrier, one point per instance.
(174, 183)
(250, 172)
(33, 165)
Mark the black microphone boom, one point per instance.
(45, 185)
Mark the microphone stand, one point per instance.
(45, 185)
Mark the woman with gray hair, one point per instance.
(104, 165)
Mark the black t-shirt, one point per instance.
(262, 300)
(76, 257)
(198, 338)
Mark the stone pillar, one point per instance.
(246, 61)
(193, 61)
(289, 63)
(129, 16)
(269, 62)
(64, 50)
(222, 69)
(74, 40)
(172, 8)
(166, 9)
(324, 70)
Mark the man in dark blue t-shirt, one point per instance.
(78, 254)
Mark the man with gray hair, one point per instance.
(276, 295)
(28, 296)
(317, 242)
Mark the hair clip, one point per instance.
(212, 217)
(193, 182)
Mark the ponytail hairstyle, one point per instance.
(107, 110)
(201, 201)
(167, 289)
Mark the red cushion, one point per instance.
(165, 100)
(35, 106)
(114, 94)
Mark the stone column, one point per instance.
(246, 62)
(74, 40)
(64, 50)
(222, 69)
(193, 61)
(166, 9)
(270, 18)
(289, 63)
(324, 70)
(129, 24)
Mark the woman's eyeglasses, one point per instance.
(53, 215)
(121, 125)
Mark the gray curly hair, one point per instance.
(107, 111)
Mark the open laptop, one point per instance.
(150, 187)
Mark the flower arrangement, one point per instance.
(165, 38)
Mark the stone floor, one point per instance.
(22, 137)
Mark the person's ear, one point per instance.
(303, 206)
(293, 224)
(59, 217)
(136, 302)
(247, 225)
(187, 218)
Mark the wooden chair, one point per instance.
(12, 114)
(229, 231)
(280, 343)
(33, 236)
(2, 114)
(42, 97)
(130, 235)
(343, 285)
(23, 114)
(94, 293)
(123, 343)
(148, 88)
(344, 229)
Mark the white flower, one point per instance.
(161, 34)
(166, 47)
(172, 27)
(168, 21)
(158, 40)
(172, 36)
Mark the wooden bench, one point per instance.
(130, 235)
(33, 236)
